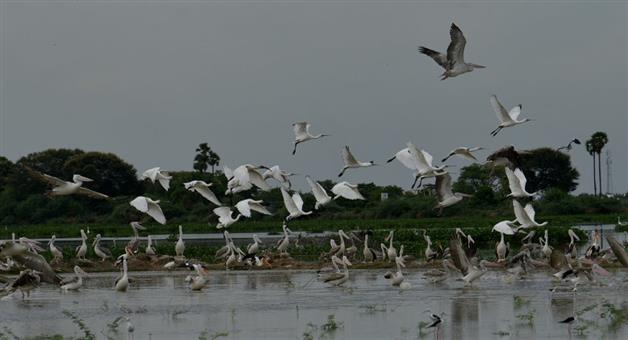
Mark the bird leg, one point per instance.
(294, 151)
(496, 131)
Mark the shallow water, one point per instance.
(281, 304)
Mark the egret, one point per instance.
(321, 196)
(444, 194)
(293, 204)
(281, 176)
(179, 247)
(525, 216)
(245, 206)
(156, 174)
(464, 152)
(63, 188)
(57, 254)
(620, 223)
(347, 191)
(149, 207)
(202, 188)
(150, 250)
(99, 250)
(225, 217)
(74, 283)
(453, 62)
(302, 134)
(350, 162)
(506, 119)
(122, 283)
(517, 183)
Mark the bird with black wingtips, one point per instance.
(569, 145)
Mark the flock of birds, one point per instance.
(459, 257)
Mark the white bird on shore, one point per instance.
(284, 243)
(294, 205)
(281, 176)
(302, 134)
(350, 162)
(122, 282)
(99, 250)
(501, 249)
(321, 196)
(571, 248)
(150, 250)
(517, 183)
(347, 191)
(74, 283)
(525, 216)
(225, 217)
(81, 250)
(253, 248)
(202, 188)
(444, 194)
(57, 254)
(338, 279)
(453, 62)
(546, 249)
(391, 251)
(247, 205)
(149, 207)
(464, 152)
(155, 174)
(63, 188)
(179, 247)
(506, 119)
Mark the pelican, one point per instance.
(223, 252)
(369, 253)
(506, 156)
(525, 216)
(63, 188)
(225, 216)
(81, 250)
(284, 243)
(199, 281)
(150, 207)
(351, 163)
(547, 250)
(76, 282)
(429, 253)
(179, 248)
(302, 134)
(445, 195)
(202, 188)
(338, 279)
(25, 282)
(502, 249)
(321, 196)
(294, 205)
(571, 248)
(475, 273)
(122, 282)
(569, 145)
(57, 254)
(156, 174)
(245, 206)
(594, 249)
(506, 119)
(100, 251)
(30, 260)
(505, 227)
(253, 248)
(464, 152)
(245, 177)
(340, 250)
(453, 62)
(517, 183)
(391, 252)
(150, 250)
(396, 278)
(458, 255)
(424, 160)
(438, 275)
(347, 191)
(281, 176)
(134, 243)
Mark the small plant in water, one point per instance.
(331, 326)
(421, 327)
(528, 317)
(371, 309)
(519, 302)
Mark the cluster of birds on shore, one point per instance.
(460, 255)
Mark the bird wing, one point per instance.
(257, 180)
(301, 129)
(288, 202)
(520, 213)
(458, 256)
(207, 193)
(298, 201)
(421, 162)
(154, 211)
(334, 277)
(91, 193)
(150, 174)
(500, 110)
(504, 228)
(244, 208)
(346, 190)
(530, 210)
(224, 212)
(515, 112)
(50, 179)
(165, 182)
(521, 178)
(455, 50)
(428, 158)
(348, 158)
(257, 206)
(140, 203)
(227, 172)
(439, 58)
(317, 190)
(406, 158)
(443, 187)
(512, 180)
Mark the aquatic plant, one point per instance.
(519, 302)
(80, 323)
(528, 317)
(617, 316)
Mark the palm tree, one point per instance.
(202, 157)
(589, 147)
(213, 161)
(599, 140)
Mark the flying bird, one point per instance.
(445, 195)
(321, 196)
(202, 188)
(506, 118)
(453, 62)
(277, 174)
(569, 145)
(157, 175)
(149, 207)
(247, 205)
(293, 204)
(517, 183)
(347, 191)
(351, 163)
(424, 163)
(64, 188)
(464, 152)
(302, 134)
(225, 216)
(505, 227)
(244, 177)
(506, 156)
(525, 216)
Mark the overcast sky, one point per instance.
(149, 81)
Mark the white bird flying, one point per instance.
(506, 119)
(505, 227)
(149, 207)
(244, 177)
(279, 175)
(347, 191)
(225, 217)
(525, 216)
(464, 152)
(63, 188)
(351, 163)
(245, 206)
(321, 196)
(156, 174)
(424, 162)
(302, 134)
(293, 204)
(517, 183)
(453, 62)
(203, 189)
(445, 195)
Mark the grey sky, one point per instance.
(150, 81)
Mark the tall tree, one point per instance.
(599, 140)
(547, 168)
(590, 150)
(202, 157)
(214, 160)
(111, 175)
